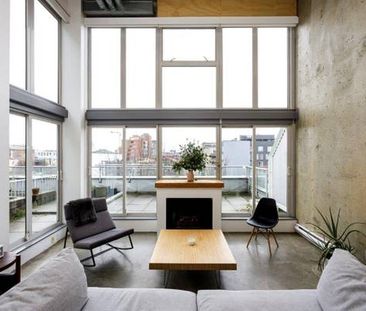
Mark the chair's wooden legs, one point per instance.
(268, 232)
(269, 242)
(274, 237)
(253, 231)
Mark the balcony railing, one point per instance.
(140, 178)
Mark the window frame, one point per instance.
(29, 47)
(29, 235)
(217, 116)
(290, 132)
(217, 63)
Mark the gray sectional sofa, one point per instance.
(60, 284)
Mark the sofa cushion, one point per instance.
(60, 284)
(258, 300)
(342, 285)
(134, 299)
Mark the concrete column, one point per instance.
(4, 120)
(73, 98)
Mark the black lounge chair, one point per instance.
(94, 234)
(264, 219)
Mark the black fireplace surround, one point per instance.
(189, 213)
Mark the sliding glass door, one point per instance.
(34, 170)
(252, 161)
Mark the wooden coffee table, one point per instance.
(210, 252)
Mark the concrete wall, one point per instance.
(4, 121)
(331, 97)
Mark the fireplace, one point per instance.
(182, 195)
(189, 213)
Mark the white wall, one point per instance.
(4, 121)
(73, 97)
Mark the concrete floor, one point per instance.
(45, 215)
(293, 265)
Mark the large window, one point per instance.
(140, 68)
(46, 39)
(124, 168)
(189, 87)
(106, 68)
(17, 177)
(141, 170)
(174, 137)
(272, 165)
(237, 166)
(34, 48)
(189, 68)
(45, 168)
(33, 177)
(18, 43)
(237, 67)
(210, 85)
(272, 68)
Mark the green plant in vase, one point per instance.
(334, 236)
(192, 158)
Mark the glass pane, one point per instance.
(44, 175)
(107, 166)
(237, 170)
(141, 160)
(237, 67)
(173, 137)
(189, 87)
(105, 68)
(17, 43)
(17, 178)
(45, 53)
(272, 67)
(140, 68)
(271, 168)
(188, 44)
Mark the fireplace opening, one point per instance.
(189, 213)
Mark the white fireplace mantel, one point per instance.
(182, 189)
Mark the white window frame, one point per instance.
(29, 45)
(29, 235)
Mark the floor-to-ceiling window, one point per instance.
(34, 170)
(238, 79)
(35, 121)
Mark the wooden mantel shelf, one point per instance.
(185, 184)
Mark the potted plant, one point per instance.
(192, 158)
(334, 236)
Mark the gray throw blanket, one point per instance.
(83, 212)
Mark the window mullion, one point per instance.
(219, 69)
(29, 182)
(158, 73)
(255, 67)
(123, 68)
(124, 169)
(291, 68)
(254, 164)
(30, 46)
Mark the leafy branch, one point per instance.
(334, 236)
(192, 157)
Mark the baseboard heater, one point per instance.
(312, 237)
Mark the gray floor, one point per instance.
(293, 265)
(45, 215)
